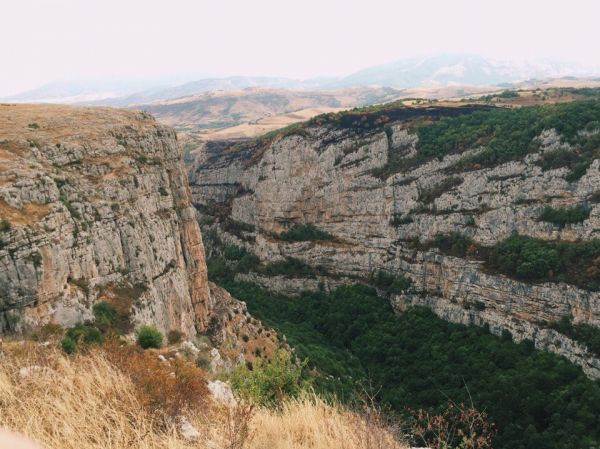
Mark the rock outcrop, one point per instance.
(95, 205)
(331, 177)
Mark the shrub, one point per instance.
(68, 345)
(290, 267)
(304, 232)
(454, 244)
(269, 382)
(565, 215)
(390, 282)
(233, 252)
(174, 336)
(105, 315)
(84, 334)
(5, 225)
(525, 258)
(149, 337)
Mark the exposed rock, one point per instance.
(221, 392)
(330, 177)
(98, 208)
(187, 430)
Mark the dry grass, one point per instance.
(311, 423)
(85, 401)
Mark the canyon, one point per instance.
(359, 178)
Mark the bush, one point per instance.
(454, 244)
(174, 336)
(149, 337)
(105, 315)
(269, 382)
(390, 282)
(290, 267)
(565, 215)
(68, 345)
(304, 232)
(5, 225)
(84, 334)
(525, 258)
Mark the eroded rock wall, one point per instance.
(95, 205)
(330, 177)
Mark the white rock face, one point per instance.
(221, 392)
(98, 208)
(329, 177)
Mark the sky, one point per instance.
(55, 40)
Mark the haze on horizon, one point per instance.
(55, 40)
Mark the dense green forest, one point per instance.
(352, 338)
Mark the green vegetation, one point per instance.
(148, 336)
(530, 259)
(72, 210)
(269, 382)
(565, 215)
(527, 258)
(583, 333)
(453, 244)
(389, 282)
(80, 335)
(304, 232)
(507, 134)
(5, 225)
(429, 195)
(290, 267)
(105, 315)
(352, 337)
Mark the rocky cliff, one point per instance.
(367, 180)
(95, 205)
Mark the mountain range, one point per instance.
(443, 69)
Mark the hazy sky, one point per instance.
(48, 40)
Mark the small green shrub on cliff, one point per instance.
(304, 232)
(525, 258)
(269, 382)
(565, 215)
(105, 315)
(85, 333)
(454, 244)
(290, 267)
(4, 225)
(149, 337)
(389, 282)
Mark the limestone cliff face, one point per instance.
(326, 175)
(95, 205)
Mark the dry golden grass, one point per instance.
(85, 401)
(310, 423)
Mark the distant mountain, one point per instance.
(459, 69)
(438, 70)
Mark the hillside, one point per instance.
(218, 109)
(463, 201)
